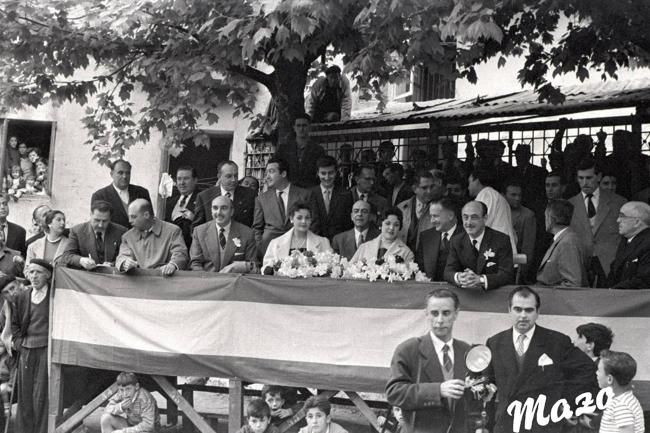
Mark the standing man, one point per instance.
(481, 258)
(523, 222)
(307, 152)
(222, 244)
(120, 194)
(530, 176)
(243, 198)
(151, 243)
(594, 218)
(333, 204)
(346, 244)
(396, 187)
(415, 211)
(14, 234)
(554, 186)
(96, 241)
(179, 209)
(631, 266)
(330, 98)
(529, 360)
(427, 373)
(433, 247)
(365, 179)
(272, 206)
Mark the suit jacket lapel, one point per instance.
(602, 211)
(507, 351)
(485, 245)
(93, 241)
(550, 250)
(212, 243)
(229, 251)
(118, 205)
(430, 362)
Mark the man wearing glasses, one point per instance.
(346, 243)
(631, 266)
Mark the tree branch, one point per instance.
(254, 74)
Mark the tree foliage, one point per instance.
(188, 57)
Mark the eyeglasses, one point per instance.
(622, 215)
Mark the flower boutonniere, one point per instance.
(488, 254)
(237, 242)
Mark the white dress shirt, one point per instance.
(450, 233)
(529, 336)
(124, 194)
(358, 234)
(438, 345)
(285, 197)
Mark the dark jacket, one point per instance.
(16, 238)
(631, 266)
(338, 219)
(430, 253)
(184, 223)
(244, 205)
(108, 194)
(82, 243)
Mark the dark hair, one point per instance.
(299, 205)
(326, 161)
(443, 293)
(396, 168)
(361, 167)
(333, 70)
(556, 174)
(101, 206)
(512, 182)
(127, 378)
(486, 177)
(302, 115)
(587, 163)
(281, 162)
(620, 365)
(120, 161)
(525, 292)
(258, 408)
(49, 217)
(484, 207)
(36, 210)
(449, 204)
(561, 211)
(598, 334)
(318, 402)
(392, 211)
(273, 389)
(187, 168)
(387, 144)
(34, 149)
(226, 162)
(454, 177)
(421, 174)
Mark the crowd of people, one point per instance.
(26, 170)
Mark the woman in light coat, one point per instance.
(387, 243)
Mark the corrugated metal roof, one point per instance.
(602, 95)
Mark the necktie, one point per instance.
(475, 243)
(446, 360)
(100, 246)
(183, 201)
(362, 197)
(283, 214)
(229, 195)
(520, 345)
(222, 238)
(591, 209)
(361, 240)
(445, 241)
(326, 199)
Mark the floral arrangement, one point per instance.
(390, 268)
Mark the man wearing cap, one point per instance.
(30, 329)
(329, 99)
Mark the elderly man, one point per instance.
(121, 192)
(346, 243)
(38, 220)
(223, 245)
(433, 247)
(481, 258)
(427, 373)
(95, 242)
(631, 266)
(30, 328)
(151, 243)
(14, 234)
(11, 262)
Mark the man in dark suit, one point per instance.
(222, 244)
(120, 193)
(179, 208)
(481, 258)
(345, 244)
(529, 361)
(531, 178)
(365, 179)
(14, 234)
(433, 247)
(272, 206)
(415, 211)
(333, 204)
(308, 153)
(243, 198)
(631, 266)
(397, 189)
(427, 373)
(96, 241)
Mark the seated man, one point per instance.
(223, 245)
(96, 241)
(131, 409)
(151, 243)
(482, 257)
(433, 247)
(345, 244)
(631, 266)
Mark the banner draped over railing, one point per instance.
(320, 332)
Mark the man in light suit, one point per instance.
(529, 361)
(427, 373)
(223, 245)
(120, 193)
(433, 247)
(631, 266)
(481, 258)
(94, 242)
(272, 206)
(333, 204)
(564, 261)
(365, 179)
(345, 244)
(179, 208)
(243, 198)
(415, 211)
(594, 217)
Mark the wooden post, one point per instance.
(172, 409)
(73, 422)
(55, 409)
(188, 394)
(235, 405)
(365, 410)
(183, 405)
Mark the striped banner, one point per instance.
(324, 333)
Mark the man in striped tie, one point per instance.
(427, 372)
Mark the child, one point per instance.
(26, 165)
(623, 412)
(276, 397)
(132, 406)
(593, 338)
(13, 156)
(41, 182)
(317, 413)
(16, 183)
(258, 418)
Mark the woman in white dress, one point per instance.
(387, 242)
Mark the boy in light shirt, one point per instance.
(317, 413)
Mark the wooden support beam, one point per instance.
(301, 413)
(172, 409)
(365, 410)
(55, 402)
(73, 421)
(183, 405)
(235, 405)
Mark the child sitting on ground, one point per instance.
(131, 409)
(623, 412)
(277, 397)
(258, 418)
(317, 413)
